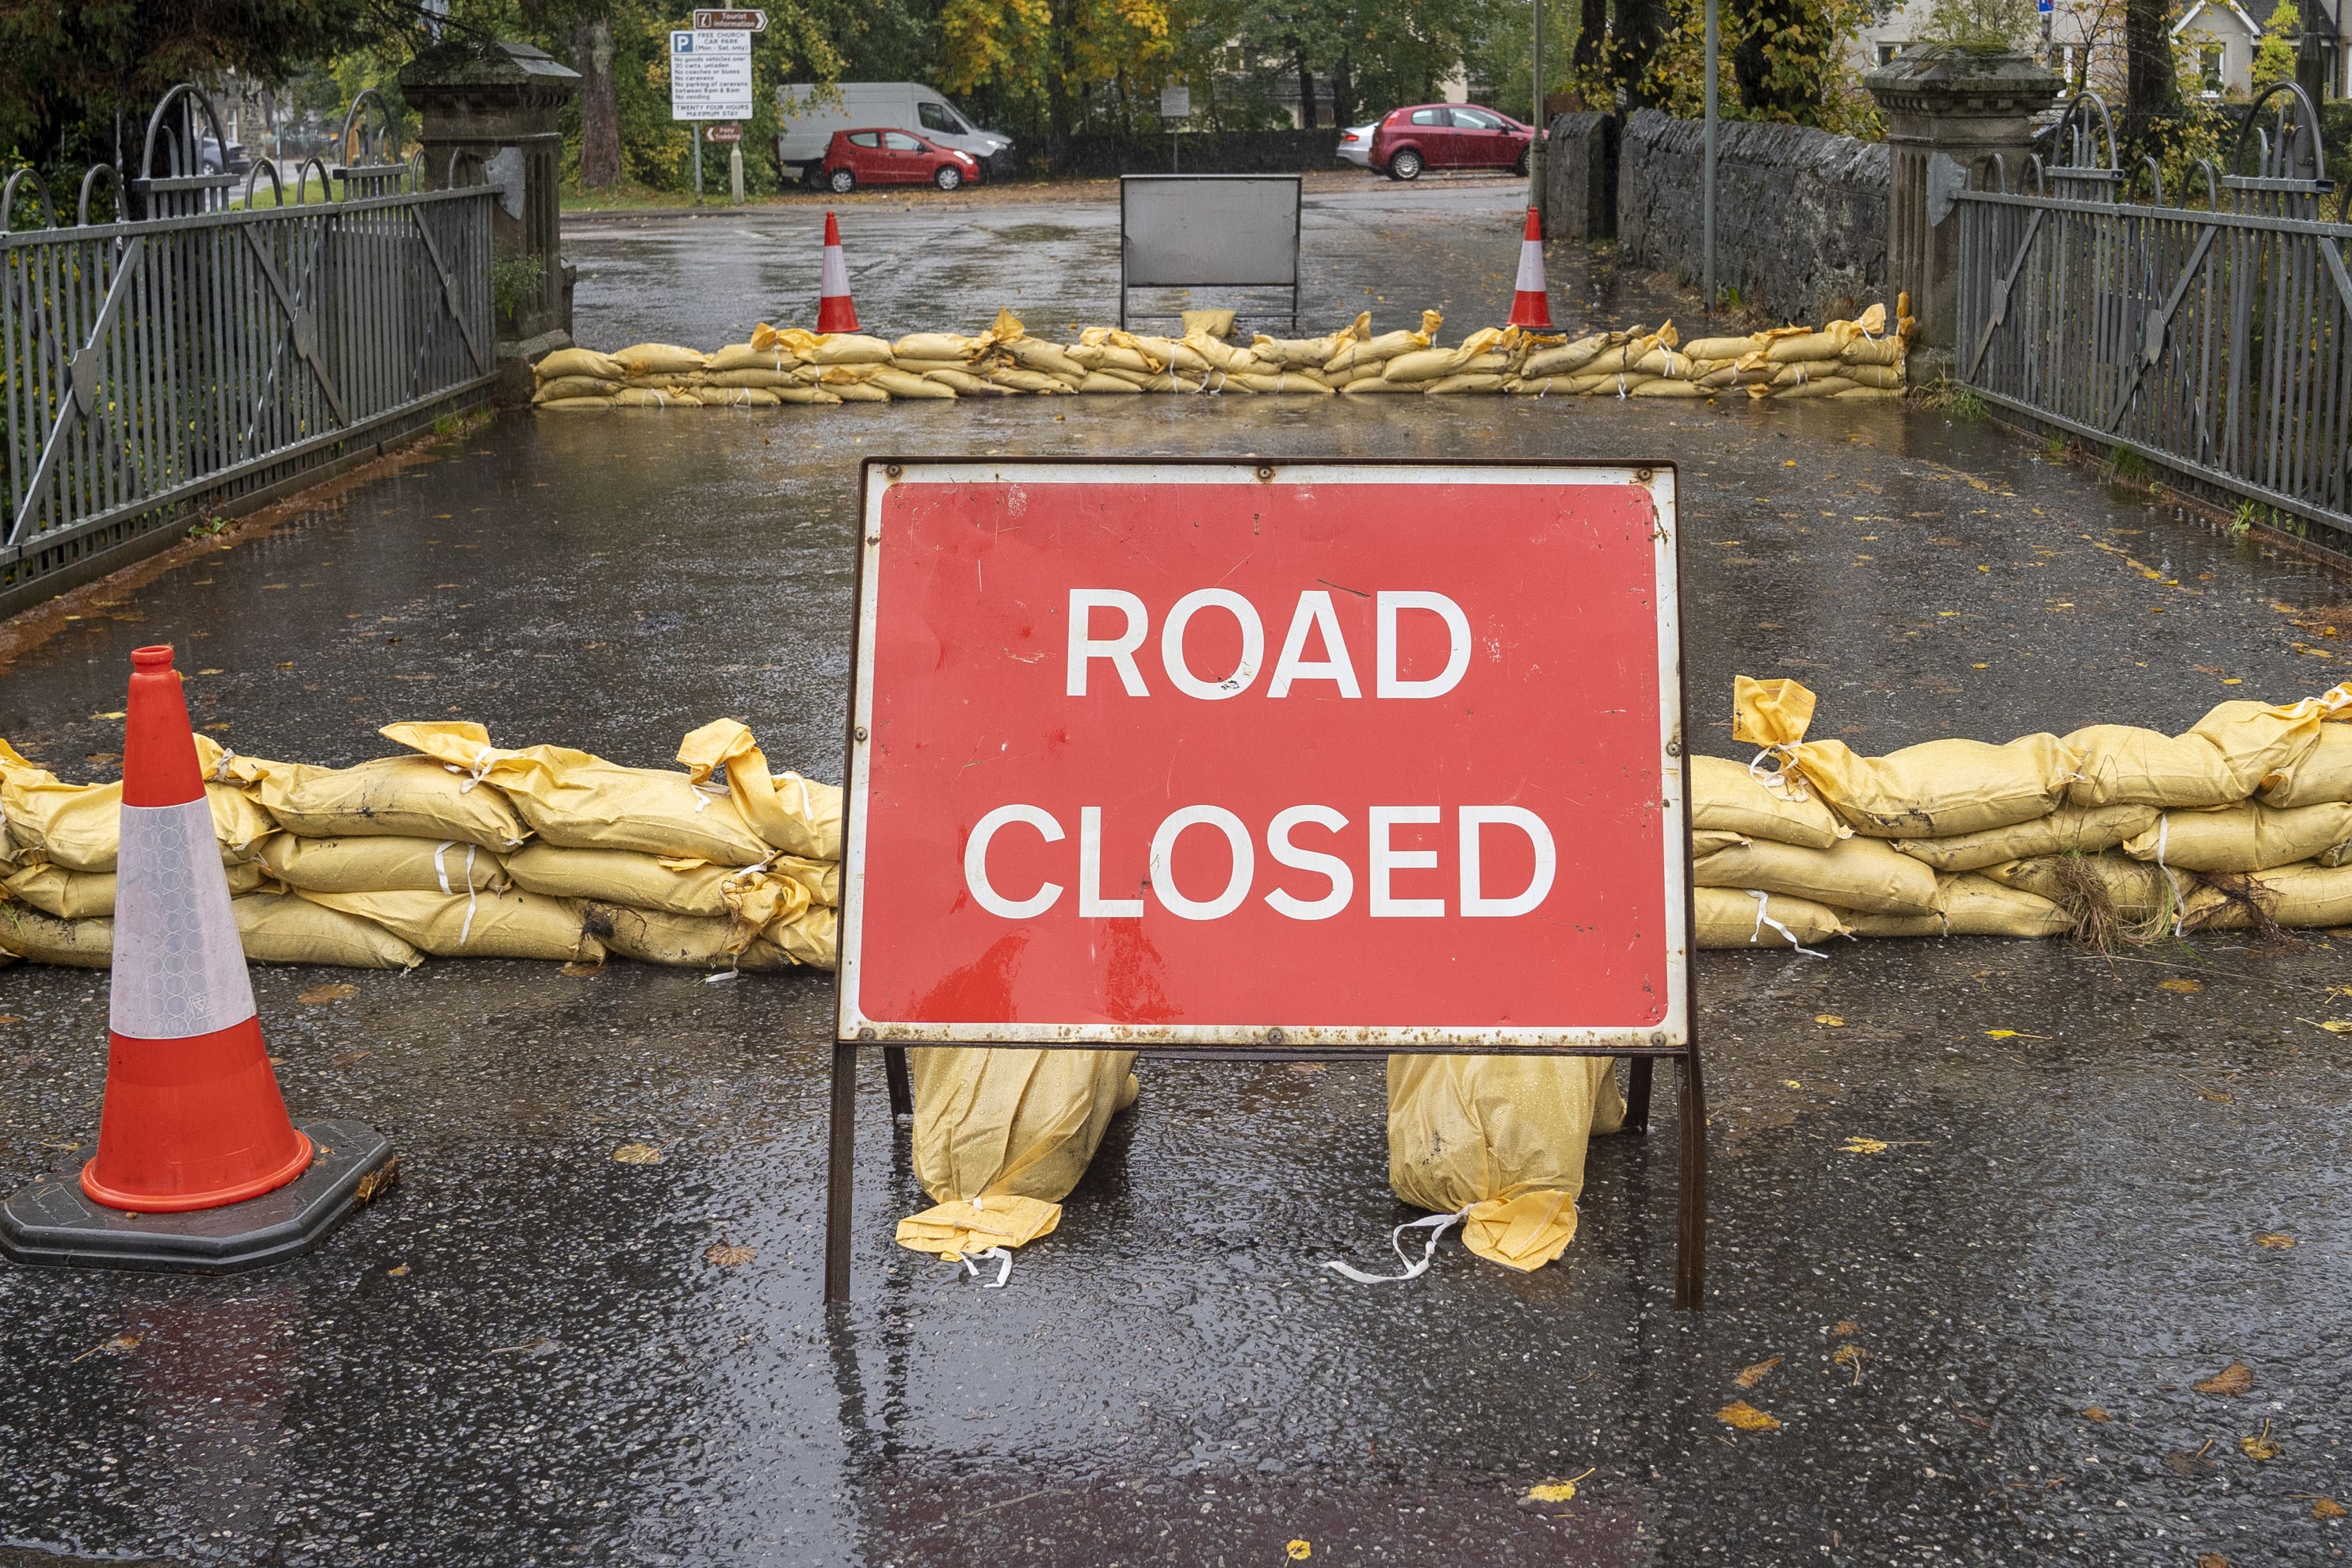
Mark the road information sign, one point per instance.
(1240, 760)
(731, 21)
(710, 74)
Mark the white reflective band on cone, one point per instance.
(178, 967)
(1531, 273)
(835, 280)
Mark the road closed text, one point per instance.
(1401, 874)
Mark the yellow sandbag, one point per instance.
(583, 802)
(2259, 742)
(842, 348)
(359, 864)
(2292, 895)
(739, 397)
(1667, 387)
(1880, 927)
(970, 385)
(2069, 830)
(659, 359)
(1504, 1138)
(1820, 386)
(1706, 841)
(796, 815)
(1613, 384)
(1887, 378)
(822, 878)
(1024, 381)
(734, 357)
(1797, 372)
(286, 928)
(812, 937)
(1736, 917)
(577, 405)
(1046, 359)
(580, 363)
(1097, 382)
(933, 346)
(925, 367)
(1215, 323)
(1664, 362)
(859, 391)
(1856, 874)
(656, 397)
(1868, 394)
(1933, 791)
(1810, 346)
(1723, 348)
(687, 887)
(2244, 837)
(398, 797)
(1377, 384)
(1283, 382)
(79, 826)
(1481, 381)
(1569, 357)
(979, 1225)
(898, 383)
(680, 941)
(89, 895)
(1174, 354)
(1377, 350)
(1975, 905)
(1542, 386)
(2320, 774)
(565, 387)
(1883, 352)
(2089, 886)
(763, 379)
(1305, 353)
(1419, 365)
(1725, 796)
(43, 938)
(510, 925)
(1008, 1122)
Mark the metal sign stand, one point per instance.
(1690, 1252)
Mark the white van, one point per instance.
(812, 114)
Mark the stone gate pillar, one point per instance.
(1948, 110)
(499, 102)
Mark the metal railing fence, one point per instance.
(202, 349)
(2215, 341)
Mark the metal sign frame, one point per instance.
(1297, 213)
(1676, 1040)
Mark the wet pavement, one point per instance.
(1989, 1331)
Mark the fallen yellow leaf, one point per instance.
(729, 1256)
(1747, 1418)
(398, 1270)
(638, 1155)
(2211, 1560)
(2093, 1413)
(1844, 1329)
(1851, 1355)
(1864, 1146)
(1299, 1552)
(2277, 1241)
(2232, 1380)
(318, 996)
(2260, 1446)
(1830, 1018)
(1785, 1083)
(2326, 1507)
(1755, 1372)
(2184, 986)
(1544, 1491)
(2332, 1026)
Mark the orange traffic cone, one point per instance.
(193, 1117)
(835, 311)
(1531, 301)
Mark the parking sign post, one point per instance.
(1241, 760)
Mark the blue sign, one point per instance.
(682, 43)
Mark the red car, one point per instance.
(885, 157)
(1448, 136)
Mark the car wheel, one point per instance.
(948, 177)
(1405, 165)
(841, 181)
(1520, 168)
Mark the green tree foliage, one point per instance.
(1777, 60)
(1982, 26)
(2274, 59)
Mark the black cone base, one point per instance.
(53, 1222)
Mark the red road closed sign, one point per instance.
(1206, 754)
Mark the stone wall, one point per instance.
(1800, 214)
(1581, 177)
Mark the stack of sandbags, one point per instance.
(461, 849)
(661, 375)
(578, 379)
(762, 373)
(2112, 832)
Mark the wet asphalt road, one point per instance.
(523, 1357)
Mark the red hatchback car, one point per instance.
(885, 157)
(1448, 136)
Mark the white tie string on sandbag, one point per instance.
(473, 897)
(1764, 918)
(1787, 779)
(1436, 1225)
(1002, 1257)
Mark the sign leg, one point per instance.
(1690, 1246)
(1637, 1093)
(902, 1089)
(839, 1180)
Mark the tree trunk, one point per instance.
(2152, 93)
(1343, 90)
(1591, 33)
(1061, 52)
(1306, 93)
(600, 106)
(1639, 24)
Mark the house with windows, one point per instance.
(2083, 40)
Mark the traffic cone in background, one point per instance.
(835, 311)
(1531, 301)
(193, 1117)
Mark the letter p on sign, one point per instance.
(1189, 753)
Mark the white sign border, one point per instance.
(1671, 1034)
